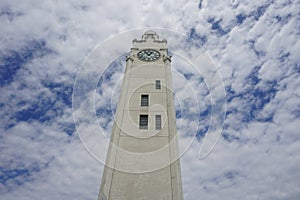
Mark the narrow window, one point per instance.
(157, 84)
(145, 100)
(143, 121)
(157, 122)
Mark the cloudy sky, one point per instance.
(253, 45)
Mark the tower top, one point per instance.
(150, 34)
(151, 39)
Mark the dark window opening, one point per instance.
(145, 100)
(157, 84)
(157, 122)
(143, 121)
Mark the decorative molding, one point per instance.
(165, 58)
(129, 58)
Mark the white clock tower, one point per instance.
(143, 160)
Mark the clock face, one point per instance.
(148, 55)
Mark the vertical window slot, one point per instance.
(145, 100)
(157, 84)
(143, 121)
(158, 122)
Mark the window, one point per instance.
(157, 122)
(143, 121)
(157, 84)
(145, 100)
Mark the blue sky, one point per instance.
(254, 46)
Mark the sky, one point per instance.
(246, 106)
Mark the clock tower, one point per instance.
(143, 160)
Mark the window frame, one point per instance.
(142, 119)
(157, 84)
(157, 122)
(145, 100)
